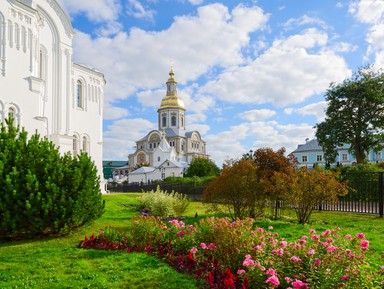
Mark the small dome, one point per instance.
(171, 100)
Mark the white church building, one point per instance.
(168, 150)
(40, 86)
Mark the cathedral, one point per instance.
(41, 88)
(168, 150)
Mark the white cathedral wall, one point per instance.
(43, 96)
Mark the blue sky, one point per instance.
(252, 74)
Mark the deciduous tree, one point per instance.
(355, 115)
(202, 167)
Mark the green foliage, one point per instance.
(306, 189)
(162, 204)
(42, 192)
(354, 115)
(202, 167)
(195, 180)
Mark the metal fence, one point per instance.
(365, 194)
(193, 191)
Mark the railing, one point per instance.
(366, 194)
(192, 190)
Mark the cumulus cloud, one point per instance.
(288, 72)
(316, 109)
(136, 9)
(99, 11)
(257, 114)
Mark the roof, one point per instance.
(115, 164)
(142, 170)
(313, 145)
(178, 164)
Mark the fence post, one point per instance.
(381, 194)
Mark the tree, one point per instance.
(355, 115)
(236, 190)
(42, 192)
(269, 162)
(306, 189)
(202, 167)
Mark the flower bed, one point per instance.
(224, 254)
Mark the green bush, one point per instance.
(162, 204)
(42, 192)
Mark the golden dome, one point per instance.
(171, 100)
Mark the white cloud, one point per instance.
(288, 72)
(316, 109)
(257, 114)
(368, 11)
(99, 11)
(195, 2)
(305, 20)
(113, 112)
(137, 10)
(121, 136)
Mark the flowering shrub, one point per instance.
(227, 254)
(162, 204)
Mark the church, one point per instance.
(41, 88)
(168, 150)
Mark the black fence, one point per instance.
(366, 194)
(193, 191)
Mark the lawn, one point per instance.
(57, 263)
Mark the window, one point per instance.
(79, 94)
(158, 159)
(74, 146)
(319, 158)
(344, 157)
(173, 120)
(164, 121)
(12, 113)
(42, 63)
(182, 121)
(304, 159)
(85, 145)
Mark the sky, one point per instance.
(252, 74)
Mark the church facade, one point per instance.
(41, 88)
(168, 150)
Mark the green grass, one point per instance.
(57, 263)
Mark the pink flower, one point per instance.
(304, 237)
(233, 224)
(345, 278)
(364, 244)
(180, 234)
(317, 262)
(270, 272)
(101, 232)
(273, 280)
(279, 252)
(283, 244)
(240, 271)
(326, 233)
(348, 237)
(164, 228)
(258, 248)
(312, 231)
(360, 236)
(298, 284)
(260, 230)
(173, 222)
(193, 250)
(382, 268)
(288, 280)
(270, 228)
(248, 262)
(211, 246)
(295, 259)
(192, 228)
(311, 252)
(204, 246)
(332, 248)
(315, 237)
(182, 224)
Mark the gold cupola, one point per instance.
(171, 100)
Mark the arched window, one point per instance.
(12, 113)
(74, 145)
(173, 120)
(79, 94)
(164, 121)
(85, 144)
(182, 121)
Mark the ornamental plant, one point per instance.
(225, 254)
(42, 192)
(163, 204)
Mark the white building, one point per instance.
(40, 85)
(168, 150)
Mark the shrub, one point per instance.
(162, 204)
(236, 255)
(41, 192)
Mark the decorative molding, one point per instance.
(63, 17)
